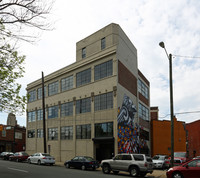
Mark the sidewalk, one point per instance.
(155, 174)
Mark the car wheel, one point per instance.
(177, 175)
(106, 169)
(17, 160)
(83, 167)
(134, 171)
(39, 162)
(115, 172)
(67, 165)
(29, 161)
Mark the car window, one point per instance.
(126, 157)
(24, 154)
(149, 159)
(89, 158)
(192, 163)
(45, 154)
(75, 159)
(118, 157)
(138, 157)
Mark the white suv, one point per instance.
(135, 164)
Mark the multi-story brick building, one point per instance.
(97, 106)
(12, 136)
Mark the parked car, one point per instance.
(41, 158)
(190, 169)
(82, 162)
(135, 164)
(196, 157)
(6, 155)
(161, 161)
(19, 156)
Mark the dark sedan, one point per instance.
(82, 162)
(186, 170)
(5, 155)
(19, 156)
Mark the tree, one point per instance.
(15, 17)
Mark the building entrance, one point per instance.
(104, 148)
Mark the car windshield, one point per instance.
(24, 154)
(158, 157)
(45, 154)
(179, 154)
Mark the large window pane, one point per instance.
(83, 105)
(83, 77)
(103, 101)
(67, 109)
(67, 133)
(52, 112)
(104, 129)
(32, 96)
(83, 131)
(39, 92)
(53, 88)
(67, 83)
(53, 134)
(31, 116)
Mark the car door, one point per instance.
(192, 169)
(116, 163)
(74, 162)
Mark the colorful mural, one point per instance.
(128, 130)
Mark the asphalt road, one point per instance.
(10, 169)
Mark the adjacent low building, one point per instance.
(97, 106)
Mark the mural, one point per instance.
(129, 140)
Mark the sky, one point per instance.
(146, 23)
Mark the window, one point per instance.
(103, 101)
(32, 96)
(126, 157)
(104, 129)
(83, 53)
(52, 112)
(31, 116)
(143, 89)
(83, 77)
(138, 157)
(53, 88)
(67, 109)
(67, 83)
(103, 43)
(83, 131)
(144, 134)
(40, 115)
(53, 133)
(39, 133)
(31, 133)
(67, 133)
(18, 135)
(103, 70)
(143, 112)
(83, 105)
(39, 93)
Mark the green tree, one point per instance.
(15, 18)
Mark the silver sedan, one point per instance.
(41, 158)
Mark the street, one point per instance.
(10, 169)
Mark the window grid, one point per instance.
(31, 133)
(83, 105)
(103, 43)
(39, 93)
(143, 89)
(104, 129)
(67, 109)
(53, 88)
(83, 77)
(52, 112)
(83, 53)
(32, 96)
(53, 134)
(31, 116)
(39, 133)
(103, 101)
(67, 83)
(143, 112)
(40, 115)
(66, 133)
(83, 131)
(103, 70)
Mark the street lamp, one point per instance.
(162, 45)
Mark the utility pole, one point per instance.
(43, 108)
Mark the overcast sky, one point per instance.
(146, 23)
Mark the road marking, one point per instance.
(20, 170)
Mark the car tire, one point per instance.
(83, 167)
(115, 172)
(134, 171)
(39, 162)
(177, 175)
(67, 165)
(106, 169)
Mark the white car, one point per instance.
(41, 158)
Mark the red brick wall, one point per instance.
(127, 79)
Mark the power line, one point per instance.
(192, 57)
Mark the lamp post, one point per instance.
(162, 45)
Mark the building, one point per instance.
(12, 136)
(193, 138)
(97, 106)
(161, 135)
